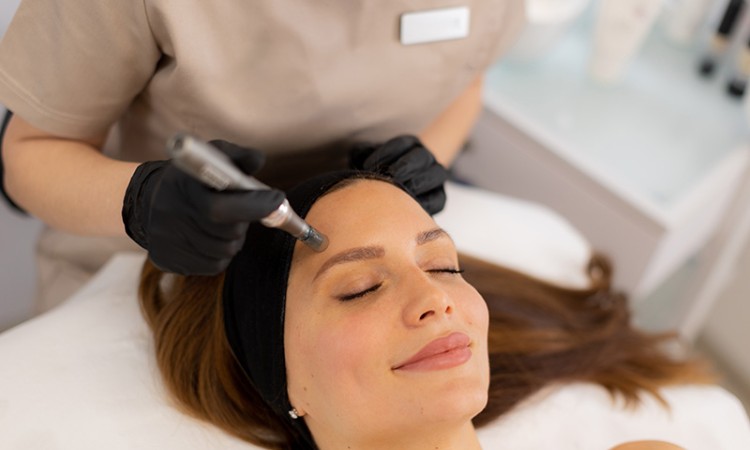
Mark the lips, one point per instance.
(442, 353)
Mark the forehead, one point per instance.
(364, 202)
(367, 212)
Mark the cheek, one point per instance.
(482, 313)
(332, 358)
(473, 308)
(340, 345)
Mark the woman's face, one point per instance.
(382, 337)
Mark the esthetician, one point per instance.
(98, 87)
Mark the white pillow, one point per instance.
(583, 416)
(517, 234)
(83, 377)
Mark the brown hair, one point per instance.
(539, 334)
(196, 363)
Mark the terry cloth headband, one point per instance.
(254, 297)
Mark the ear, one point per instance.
(296, 401)
(300, 412)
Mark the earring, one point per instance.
(293, 413)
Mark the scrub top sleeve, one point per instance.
(72, 67)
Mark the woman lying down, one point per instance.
(389, 339)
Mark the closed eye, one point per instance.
(359, 294)
(356, 295)
(447, 270)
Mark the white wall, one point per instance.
(727, 331)
(17, 236)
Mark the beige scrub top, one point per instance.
(282, 76)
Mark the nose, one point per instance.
(426, 300)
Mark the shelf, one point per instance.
(651, 139)
(646, 169)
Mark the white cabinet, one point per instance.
(648, 170)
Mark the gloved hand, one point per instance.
(187, 227)
(408, 161)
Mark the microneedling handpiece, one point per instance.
(213, 168)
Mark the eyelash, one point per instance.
(450, 271)
(348, 297)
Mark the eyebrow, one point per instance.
(374, 252)
(430, 235)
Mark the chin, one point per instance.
(460, 401)
(451, 407)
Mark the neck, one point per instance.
(463, 437)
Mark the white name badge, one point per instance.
(435, 25)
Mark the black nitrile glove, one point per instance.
(409, 162)
(186, 226)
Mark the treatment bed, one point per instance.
(83, 376)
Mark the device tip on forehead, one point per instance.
(316, 240)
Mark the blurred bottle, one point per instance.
(621, 29)
(741, 71)
(746, 105)
(547, 22)
(684, 19)
(720, 41)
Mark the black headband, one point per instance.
(254, 298)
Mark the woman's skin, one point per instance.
(647, 445)
(385, 288)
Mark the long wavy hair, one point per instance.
(539, 334)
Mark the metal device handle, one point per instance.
(209, 165)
